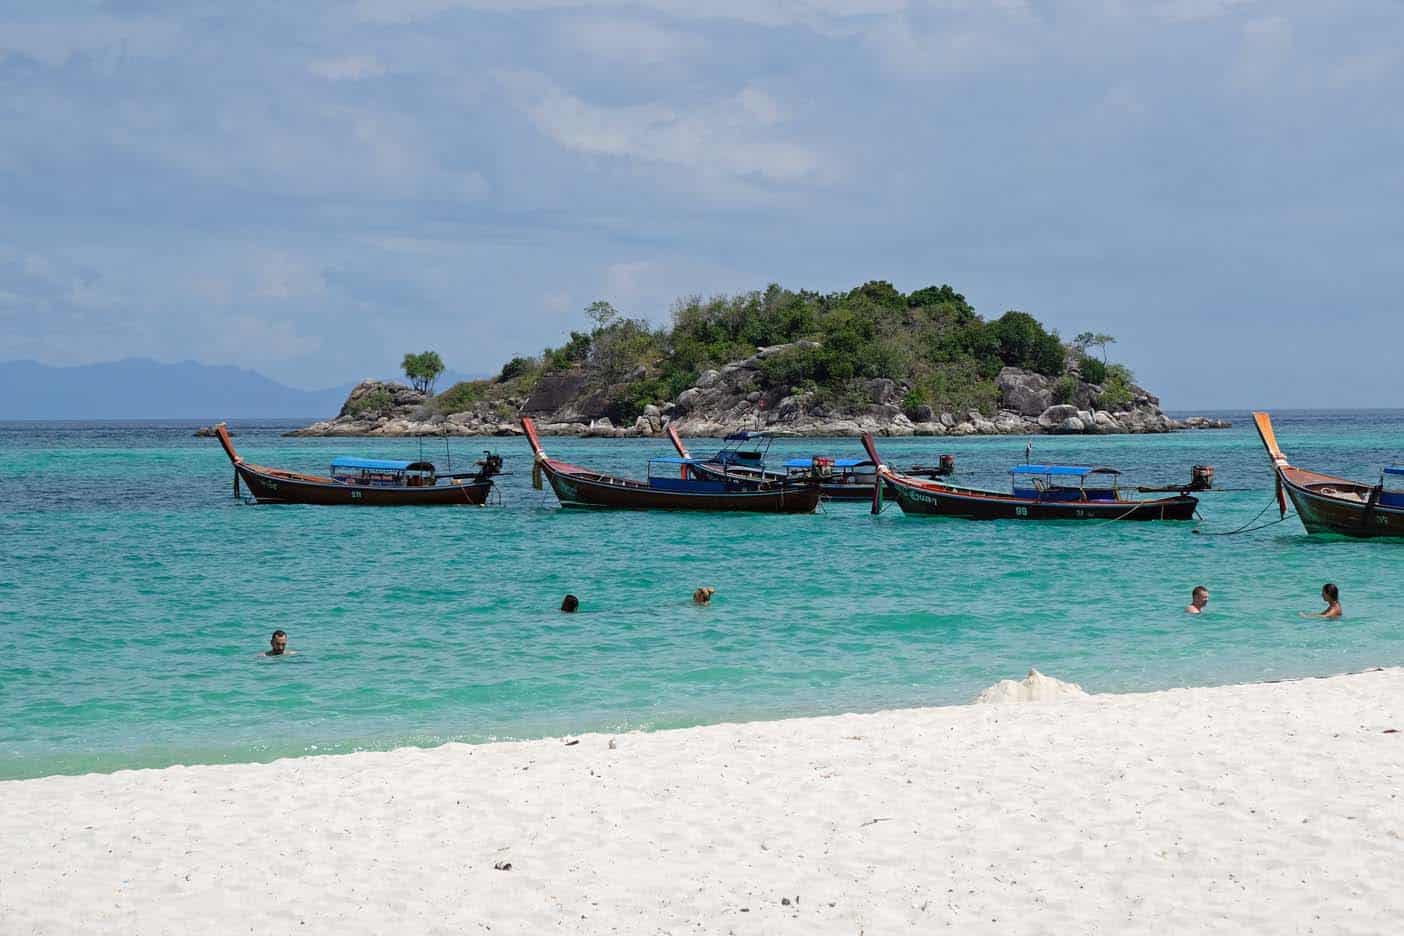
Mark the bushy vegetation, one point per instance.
(1065, 388)
(1093, 370)
(931, 339)
(1116, 388)
(462, 396)
(376, 401)
(516, 367)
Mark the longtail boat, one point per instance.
(740, 461)
(1038, 492)
(671, 485)
(364, 482)
(1328, 504)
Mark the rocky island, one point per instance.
(869, 360)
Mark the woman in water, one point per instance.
(1332, 596)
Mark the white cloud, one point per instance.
(973, 41)
(723, 138)
(1265, 48)
(281, 275)
(353, 68)
(631, 42)
(764, 108)
(218, 290)
(1366, 67)
(1183, 11)
(1120, 102)
(813, 13)
(622, 280)
(556, 302)
(53, 43)
(244, 336)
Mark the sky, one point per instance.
(311, 190)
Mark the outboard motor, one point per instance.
(489, 465)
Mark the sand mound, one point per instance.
(1036, 687)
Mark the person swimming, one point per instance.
(1332, 596)
(569, 604)
(278, 644)
(1198, 599)
(703, 595)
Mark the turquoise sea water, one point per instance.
(136, 595)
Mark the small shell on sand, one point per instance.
(1035, 687)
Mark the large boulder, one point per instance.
(881, 389)
(1024, 392)
(1009, 424)
(1072, 425)
(595, 405)
(1053, 416)
(554, 391)
(688, 398)
(772, 350)
(709, 378)
(398, 395)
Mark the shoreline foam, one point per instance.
(1261, 807)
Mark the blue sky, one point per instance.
(312, 189)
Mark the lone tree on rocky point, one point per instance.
(1088, 339)
(423, 369)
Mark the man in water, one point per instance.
(277, 644)
(569, 603)
(702, 595)
(1198, 599)
(1332, 596)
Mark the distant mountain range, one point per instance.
(139, 388)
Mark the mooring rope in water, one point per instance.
(1247, 527)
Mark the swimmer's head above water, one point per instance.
(278, 643)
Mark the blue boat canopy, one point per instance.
(838, 462)
(744, 436)
(1074, 471)
(1394, 470)
(371, 464)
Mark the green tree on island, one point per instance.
(1087, 340)
(423, 369)
(835, 345)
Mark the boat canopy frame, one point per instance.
(1048, 477)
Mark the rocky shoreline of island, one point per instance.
(729, 399)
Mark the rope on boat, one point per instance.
(1129, 512)
(1247, 527)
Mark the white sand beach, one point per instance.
(1270, 808)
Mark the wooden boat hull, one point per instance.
(1326, 513)
(1327, 504)
(580, 487)
(277, 487)
(830, 490)
(618, 493)
(933, 499)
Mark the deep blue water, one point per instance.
(136, 594)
